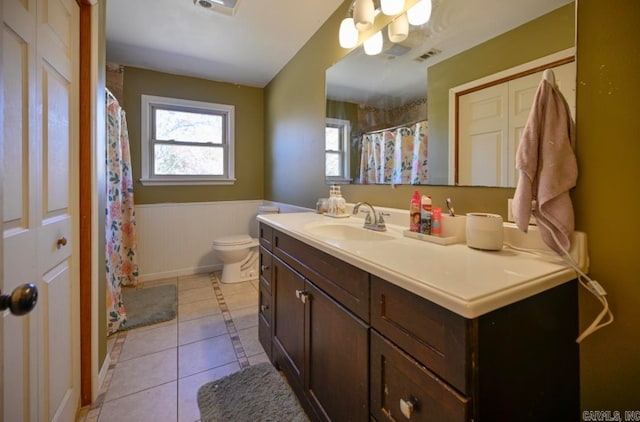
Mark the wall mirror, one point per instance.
(407, 85)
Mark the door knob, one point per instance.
(21, 301)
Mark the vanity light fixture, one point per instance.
(363, 14)
(391, 7)
(399, 29)
(373, 45)
(348, 35)
(420, 13)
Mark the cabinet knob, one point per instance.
(263, 308)
(407, 407)
(61, 242)
(264, 268)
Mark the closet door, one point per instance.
(491, 122)
(522, 92)
(483, 123)
(40, 72)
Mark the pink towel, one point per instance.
(548, 167)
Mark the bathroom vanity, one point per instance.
(374, 326)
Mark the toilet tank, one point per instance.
(268, 209)
(263, 209)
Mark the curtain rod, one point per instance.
(394, 127)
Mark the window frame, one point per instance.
(149, 103)
(344, 151)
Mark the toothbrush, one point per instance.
(450, 208)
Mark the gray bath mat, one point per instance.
(257, 393)
(149, 306)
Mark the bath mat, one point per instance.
(149, 306)
(257, 393)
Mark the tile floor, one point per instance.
(155, 371)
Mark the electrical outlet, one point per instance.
(511, 219)
(509, 212)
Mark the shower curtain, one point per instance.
(395, 156)
(121, 259)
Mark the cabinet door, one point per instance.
(265, 267)
(288, 320)
(336, 375)
(264, 319)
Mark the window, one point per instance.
(186, 142)
(337, 134)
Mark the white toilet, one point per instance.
(239, 254)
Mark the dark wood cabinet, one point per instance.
(337, 359)
(320, 345)
(288, 321)
(403, 389)
(519, 362)
(355, 347)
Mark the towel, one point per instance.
(548, 167)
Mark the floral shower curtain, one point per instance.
(121, 256)
(397, 156)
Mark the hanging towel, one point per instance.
(548, 167)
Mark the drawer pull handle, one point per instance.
(302, 295)
(407, 407)
(61, 242)
(264, 268)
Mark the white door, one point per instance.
(483, 122)
(491, 121)
(522, 92)
(40, 351)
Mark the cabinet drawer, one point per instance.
(266, 236)
(342, 281)
(265, 267)
(398, 381)
(265, 306)
(436, 337)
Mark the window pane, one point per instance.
(332, 163)
(178, 160)
(184, 126)
(332, 138)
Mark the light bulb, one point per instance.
(363, 14)
(391, 7)
(348, 35)
(399, 29)
(420, 13)
(373, 45)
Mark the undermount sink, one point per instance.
(345, 232)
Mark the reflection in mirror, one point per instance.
(463, 42)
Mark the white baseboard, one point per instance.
(103, 371)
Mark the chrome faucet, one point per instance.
(372, 221)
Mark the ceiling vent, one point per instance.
(428, 54)
(396, 50)
(227, 7)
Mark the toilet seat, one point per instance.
(238, 240)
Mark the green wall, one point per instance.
(249, 132)
(608, 157)
(607, 149)
(540, 37)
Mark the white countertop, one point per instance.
(466, 281)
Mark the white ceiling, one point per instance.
(177, 36)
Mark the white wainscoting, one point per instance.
(175, 239)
